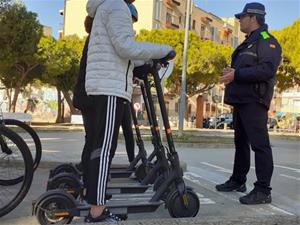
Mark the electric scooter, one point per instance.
(58, 206)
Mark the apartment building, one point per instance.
(74, 13)
(161, 14)
(47, 31)
(167, 14)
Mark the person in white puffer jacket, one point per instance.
(112, 52)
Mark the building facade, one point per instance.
(168, 14)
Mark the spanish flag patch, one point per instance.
(272, 46)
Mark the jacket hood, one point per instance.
(92, 5)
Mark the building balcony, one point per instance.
(173, 3)
(170, 25)
(206, 20)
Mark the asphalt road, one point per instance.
(205, 168)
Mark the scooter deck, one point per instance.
(120, 173)
(126, 188)
(122, 207)
(123, 181)
(119, 166)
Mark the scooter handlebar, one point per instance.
(171, 55)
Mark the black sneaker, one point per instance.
(231, 185)
(106, 217)
(256, 197)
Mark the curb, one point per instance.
(268, 220)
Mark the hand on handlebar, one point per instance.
(171, 55)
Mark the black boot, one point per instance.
(256, 197)
(231, 185)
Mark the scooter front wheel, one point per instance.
(55, 209)
(186, 205)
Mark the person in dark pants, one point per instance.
(83, 102)
(249, 89)
(112, 55)
(127, 131)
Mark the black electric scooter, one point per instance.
(68, 176)
(56, 205)
(117, 171)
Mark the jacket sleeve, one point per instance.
(269, 57)
(120, 31)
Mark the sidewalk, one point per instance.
(276, 220)
(144, 129)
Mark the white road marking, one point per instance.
(221, 169)
(281, 210)
(266, 210)
(49, 139)
(206, 201)
(50, 151)
(191, 177)
(288, 168)
(290, 177)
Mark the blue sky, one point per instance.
(280, 13)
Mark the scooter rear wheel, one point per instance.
(54, 209)
(183, 206)
(64, 168)
(67, 182)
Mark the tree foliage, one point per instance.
(289, 71)
(20, 32)
(61, 59)
(206, 59)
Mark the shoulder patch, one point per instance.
(265, 35)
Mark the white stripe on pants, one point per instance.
(105, 152)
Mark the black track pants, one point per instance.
(103, 123)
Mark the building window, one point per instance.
(194, 25)
(168, 18)
(202, 31)
(216, 35)
(212, 31)
(157, 9)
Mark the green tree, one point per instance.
(20, 32)
(289, 71)
(61, 59)
(206, 60)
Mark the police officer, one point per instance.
(249, 89)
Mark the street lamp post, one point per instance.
(184, 67)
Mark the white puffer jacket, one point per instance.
(112, 48)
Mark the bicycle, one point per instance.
(16, 170)
(28, 134)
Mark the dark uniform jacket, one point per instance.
(255, 62)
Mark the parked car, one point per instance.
(225, 119)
